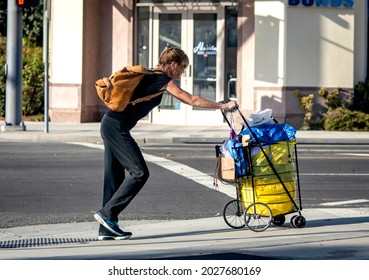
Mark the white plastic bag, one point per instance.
(261, 117)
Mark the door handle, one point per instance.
(189, 71)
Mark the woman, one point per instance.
(122, 153)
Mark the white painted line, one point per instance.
(353, 154)
(344, 202)
(90, 145)
(334, 174)
(178, 168)
(365, 151)
(191, 173)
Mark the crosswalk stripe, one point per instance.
(178, 168)
(334, 174)
(337, 203)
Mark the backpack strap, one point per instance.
(143, 70)
(145, 98)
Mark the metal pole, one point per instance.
(47, 13)
(13, 106)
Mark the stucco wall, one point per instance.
(302, 48)
(320, 47)
(89, 39)
(65, 58)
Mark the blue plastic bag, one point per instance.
(271, 133)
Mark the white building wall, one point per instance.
(304, 48)
(66, 45)
(270, 65)
(269, 43)
(320, 47)
(66, 54)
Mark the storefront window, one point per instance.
(201, 45)
(170, 32)
(231, 52)
(143, 35)
(205, 55)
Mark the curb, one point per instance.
(37, 137)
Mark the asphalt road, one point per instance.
(59, 183)
(330, 175)
(62, 183)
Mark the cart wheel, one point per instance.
(258, 217)
(233, 213)
(279, 220)
(293, 220)
(299, 222)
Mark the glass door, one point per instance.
(199, 32)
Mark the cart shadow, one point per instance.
(309, 223)
(337, 221)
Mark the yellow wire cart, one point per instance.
(261, 161)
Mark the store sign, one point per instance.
(323, 3)
(203, 49)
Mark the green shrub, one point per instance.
(343, 119)
(360, 100)
(332, 99)
(339, 114)
(33, 81)
(307, 103)
(32, 59)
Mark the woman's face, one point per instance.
(176, 70)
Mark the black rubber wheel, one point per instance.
(233, 214)
(299, 222)
(279, 220)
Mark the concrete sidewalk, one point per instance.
(156, 133)
(329, 233)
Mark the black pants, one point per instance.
(125, 170)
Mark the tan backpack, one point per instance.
(117, 90)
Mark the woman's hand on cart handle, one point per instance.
(231, 105)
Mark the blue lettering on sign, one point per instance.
(336, 3)
(308, 3)
(323, 3)
(349, 3)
